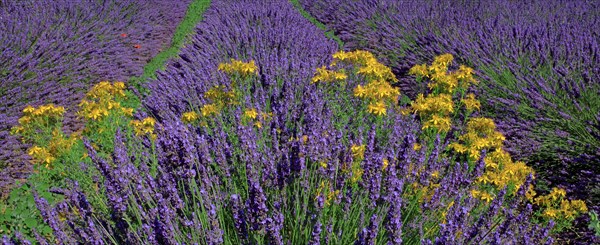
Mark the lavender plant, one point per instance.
(536, 60)
(280, 145)
(53, 51)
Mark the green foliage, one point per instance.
(594, 223)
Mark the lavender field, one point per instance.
(299, 122)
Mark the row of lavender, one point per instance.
(277, 159)
(538, 61)
(54, 50)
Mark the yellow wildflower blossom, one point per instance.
(471, 103)
(190, 117)
(209, 109)
(239, 67)
(419, 70)
(444, 59)
(360, 91)
(385, 164)
(442, 124)
(324, 75)
(251, 113)
(378, 108)
(358, 151)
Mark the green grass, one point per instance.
(193, 15)
(318, 24)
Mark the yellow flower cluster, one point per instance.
(501, 171)
(251, 113)
(482, 195)
(441, 80)
(103, 99)
(209, 110)
(324, 75)
(385, 164)
(434, 110)
(40, 155)
(220, 98)
(218, 94)
(557, 207)
(33, 118)
(257, 117)
(481, 134)
(358, 152)
(58, 145)
(470, 102)
(190, 117)
(357, 57)
(237, 67)
(367, 65)
(378, 90)
(144, 127)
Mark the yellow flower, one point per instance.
(331, 196)
(28, 110)
(557, 193)
(209, 109)
(471, 103)
(238, 67)
(358, 151)
(251, 113)
(324, 75)
(579, 205)
(190, 117)
(551, 213)
(481, 125)
(119, 85)
(35, 150)
(148, 121)
(304, 139)
(113, 105)
(443, 60)
(442, 124)
(419, 70)
(386, 163)
(416, 146)
(360, 91)
(24, 120)
(465, 71)
(258, 124)
(458, 147)
(530, 193)
(377, 108)
(127, 111)
(486, 197)
(97, 114)
(356, 174)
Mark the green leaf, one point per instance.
(31, 222)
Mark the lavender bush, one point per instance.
(537, 62)
(259, 132)
(275, 146)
